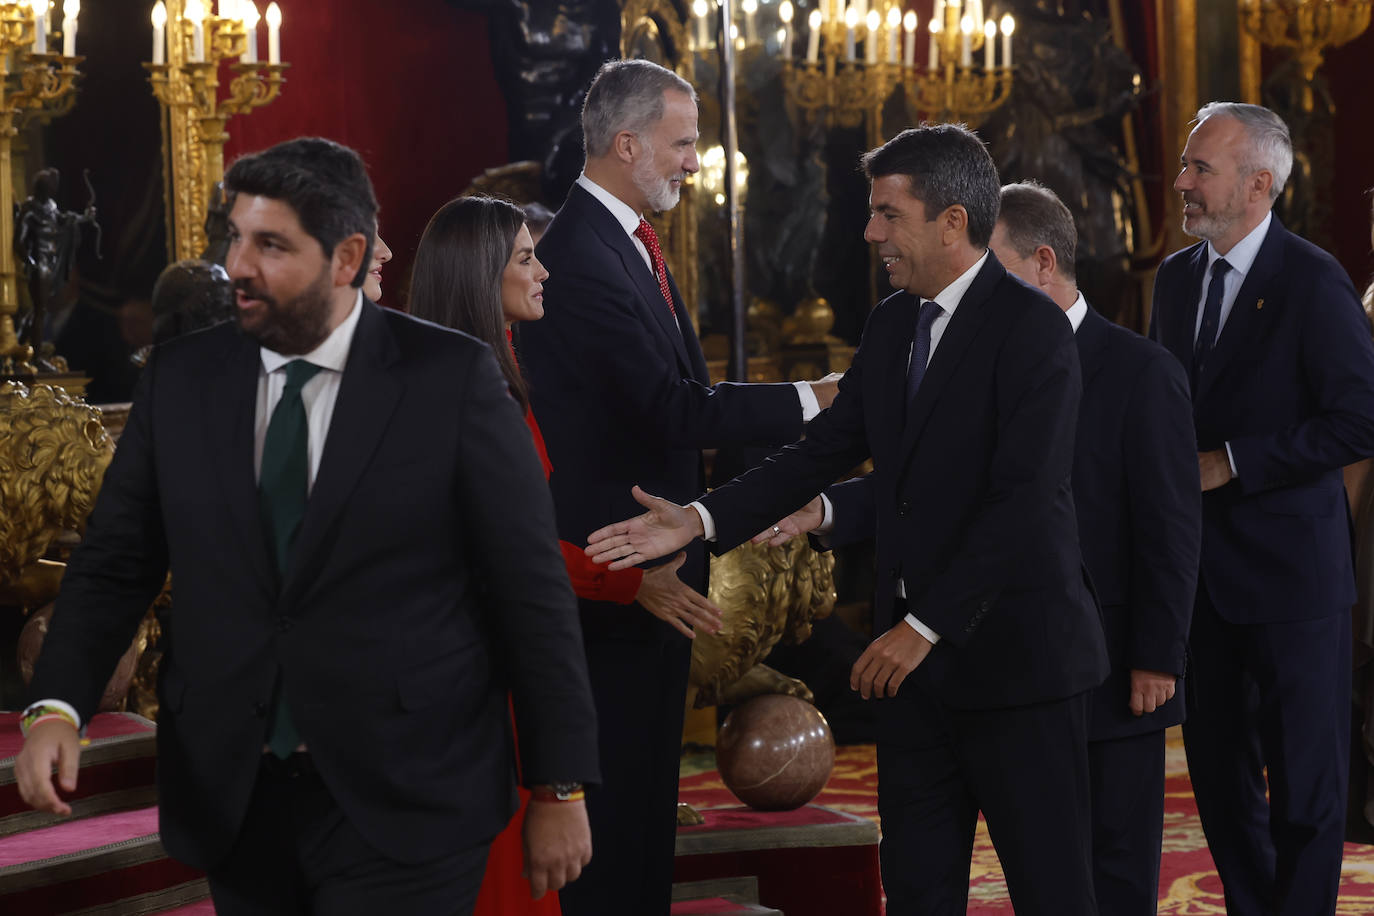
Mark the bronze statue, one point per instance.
(46, 240)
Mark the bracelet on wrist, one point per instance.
(559, 792)
(37, 714)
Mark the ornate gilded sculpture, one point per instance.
(46, 239)
(766, 594)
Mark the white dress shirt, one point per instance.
(948, 299)
(1241, 257)
(629, 221)
(1077, 312)
(318, 395)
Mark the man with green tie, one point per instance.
(366, 568)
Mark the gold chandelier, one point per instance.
(1307, 27)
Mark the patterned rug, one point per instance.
(1188, 883)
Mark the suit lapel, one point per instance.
(1245, 316)
(614, 235)
(230, 401)
(968, 317)
(1180, 325)
(1091, 339)
(368, 394)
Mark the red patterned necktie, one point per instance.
(645, 233)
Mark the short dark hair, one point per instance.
(945, 164)
(324, 182)
(537, 216)
(1033, 215)
(455, 279)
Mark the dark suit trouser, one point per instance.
(640, 690)
(1128, 822)
(1272, 696)
(1025, 768)
(297, 854)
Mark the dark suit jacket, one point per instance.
(425, 582)
(1290, 385)
(623, 396)
(1135, 486)
(971, 491)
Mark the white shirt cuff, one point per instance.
(827, 524)
(921, 628)
(708, 524)
(809, 405)
(68, 708)
(1231, 460)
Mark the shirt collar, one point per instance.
(1243, 255)
(1077, 312)
(949, 298)
(332, 353)
(623, 212)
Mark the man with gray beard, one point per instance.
(620, 388)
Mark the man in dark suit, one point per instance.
(620, 389)
(1278, 352)
(964, 392)
(1135, 489)
(334, 735)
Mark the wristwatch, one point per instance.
(558, 792)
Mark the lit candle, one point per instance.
(863, 9)
(813, 41)
(40, 26)
(966, 49)
(750, 7)
(159, 32)
(935, 27)
(851, 19)
(227, 9)
(894, 25)
(70, 10)
(989, 41)
(249, 12)
(196, 13)
(700, 9)
(873, 21)
(1008, 26)
(273, 33)
(909, 48)
(785, 33)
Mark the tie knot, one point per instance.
(930, 310)
(298, 372)
(1220, 267)
(646, 234)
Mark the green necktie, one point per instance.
(282, 493)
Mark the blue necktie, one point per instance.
(1211, 317)
(283, 486)
(920, 348)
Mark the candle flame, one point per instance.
(71, 8)
(159, 14)
(785, 11)
(193, 10)
(909, 21)
(966, 25)
(814, 20)
(250, 13)
(273, 15)
(894, 17)
(1008, 24)
(873, 20)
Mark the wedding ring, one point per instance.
(777, 530)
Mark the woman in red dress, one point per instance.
(475, 270)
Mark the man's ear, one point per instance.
(1045, 263)
(348, 259)
(625, 146)
(1262, 182)
(953, 222)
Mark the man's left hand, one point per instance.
(1215, 468)
(888, 660)
(1150, 690)
(558, 844)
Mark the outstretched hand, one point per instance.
(803, 521)
(673, 601)
(666, 528)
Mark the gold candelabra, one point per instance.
(195, 116)
(1308, 27)
(44, 82)
(857, 54)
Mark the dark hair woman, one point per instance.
(475, 270)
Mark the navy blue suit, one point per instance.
(1290, 386)
(622, 396)
(971, 496)
(1136, 490)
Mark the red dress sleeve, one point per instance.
(589, 580)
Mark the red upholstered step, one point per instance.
(112, 860)
(118, 769)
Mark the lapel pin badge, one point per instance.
(1259, 305)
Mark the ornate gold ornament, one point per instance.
(45, 83)
(194, 118)
(1307, 28)
(766, 594)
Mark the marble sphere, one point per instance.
(775, 752)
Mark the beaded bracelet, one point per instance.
(40, 713)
